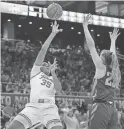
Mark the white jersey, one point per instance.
(42, 86)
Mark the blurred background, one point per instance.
(24, 28)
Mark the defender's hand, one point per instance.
(55, 29)
(114, 35)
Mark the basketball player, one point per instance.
(103, 115)
(44, 83)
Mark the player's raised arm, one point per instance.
(113, 36)
(116, 70)
(56, 81)
(40, 58)
(90, 42)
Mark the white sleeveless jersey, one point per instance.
(42, 87)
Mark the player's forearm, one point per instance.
(43, 51)
(56, 81)
(48, 41)
(89, 39)
(113, 48)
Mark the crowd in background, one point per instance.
(75, 71)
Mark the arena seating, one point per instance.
(18, 58)
(75, 71)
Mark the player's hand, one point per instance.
(114, 35)
(53, 66)
(86, 20)
(55, 27)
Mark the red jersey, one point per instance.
(104, 90)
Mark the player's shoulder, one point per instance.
(35, 71)
(35, 67)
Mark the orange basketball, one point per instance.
(54, 11)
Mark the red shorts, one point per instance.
(103, 116)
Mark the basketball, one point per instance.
(54, 11)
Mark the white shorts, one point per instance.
(35, 113)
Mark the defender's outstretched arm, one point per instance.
(90, 42)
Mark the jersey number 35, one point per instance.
(46, 83)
